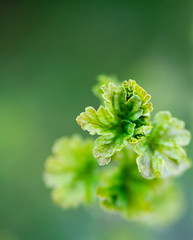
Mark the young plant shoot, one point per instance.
(143, 157)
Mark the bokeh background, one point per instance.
(50, 55)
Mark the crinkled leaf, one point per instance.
(161, 153)
(105, 147)
(143, 130)
(96, 122)
(70, 171)
(125, 118)
(122, 189)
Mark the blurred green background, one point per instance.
(50, 55)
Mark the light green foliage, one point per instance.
(70, 171)
(161, 153)
(122, 189)
(123, 119)
(144, 155)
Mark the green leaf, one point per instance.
(106, 146)
(122, 189)
(143, 130)
(96, 122)
(161, 153)
(70, 172)
(123, 119)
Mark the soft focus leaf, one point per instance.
(70, 172)
(103, 80)
(122, 189)
(161, 153)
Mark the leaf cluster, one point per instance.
(143, 157)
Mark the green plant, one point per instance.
(142, 157)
